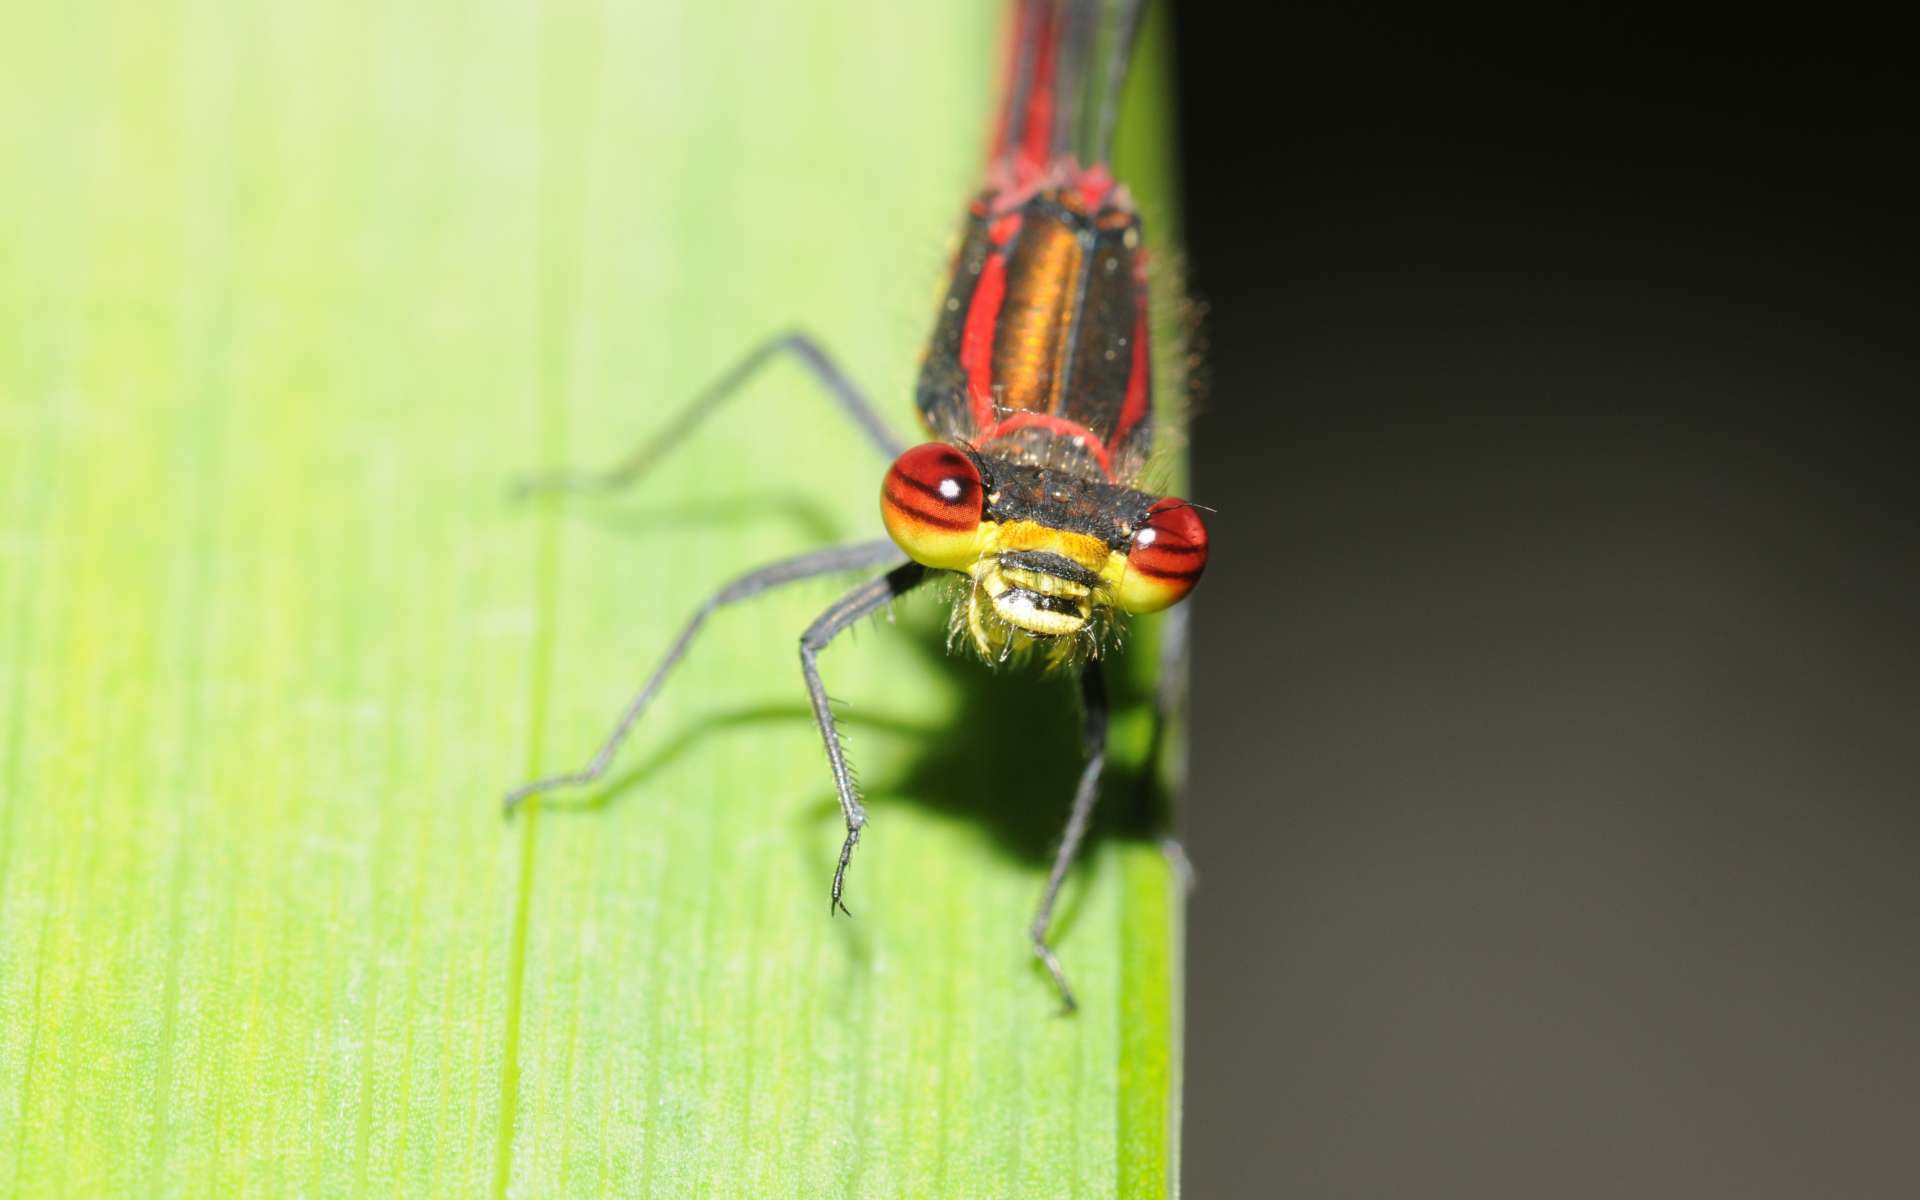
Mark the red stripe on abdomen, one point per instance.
(1139, 381)
(976, 341)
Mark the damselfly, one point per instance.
(1037, 385)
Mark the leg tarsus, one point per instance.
(1051, 961)
(840, 871)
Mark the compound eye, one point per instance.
(932, 502)
(1168, 553)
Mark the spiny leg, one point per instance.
(1093, 737)
(862, 601)
(803, 347)
(805, 566)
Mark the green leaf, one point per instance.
(289, 293)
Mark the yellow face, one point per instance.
(1030, 582)
(1027, 580)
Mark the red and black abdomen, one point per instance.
(1040, 348)
(942, 390)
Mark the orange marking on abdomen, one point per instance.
(1029, 355)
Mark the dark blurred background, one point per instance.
(1554, 791)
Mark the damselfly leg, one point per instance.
(862, 601)
(1036, 389)
(846, 396)
(853, 557)
(811, 355)
(1093, 739)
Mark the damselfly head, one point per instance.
(1049, 556)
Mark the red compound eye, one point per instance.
(931, 502)
(1168, 554)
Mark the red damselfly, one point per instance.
(1037, 386)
